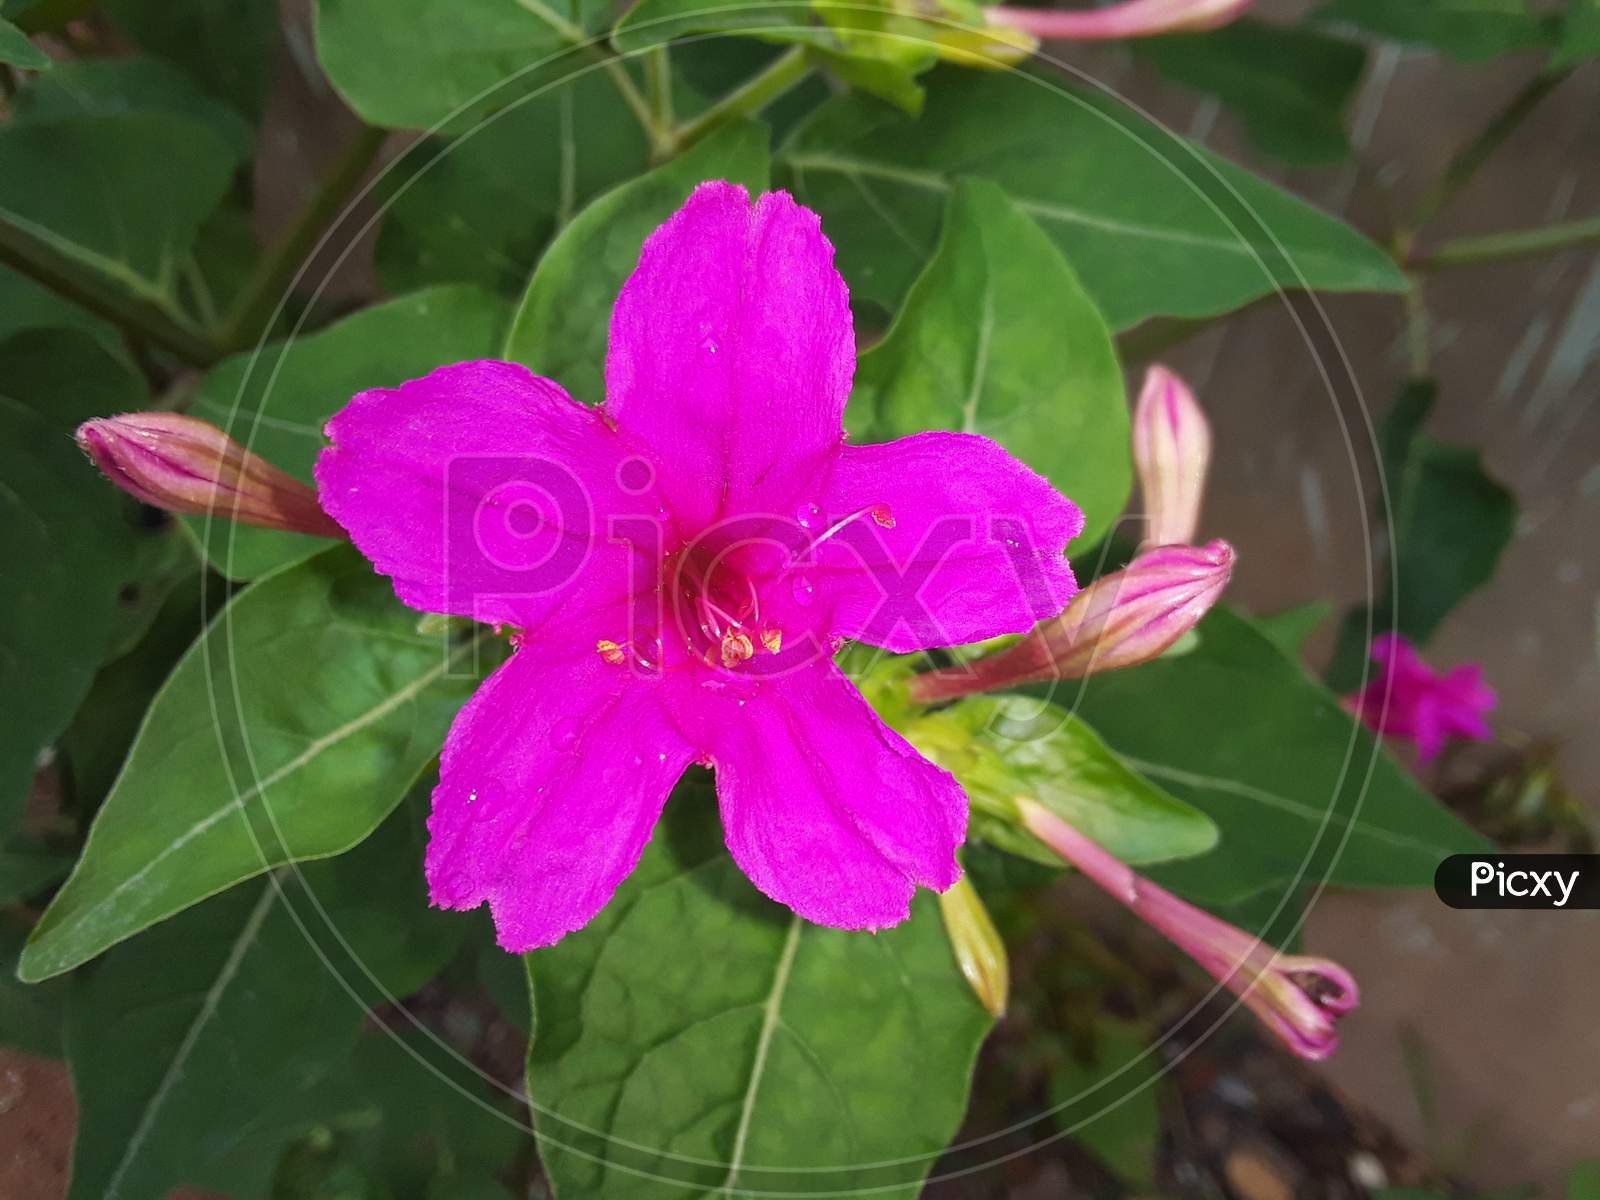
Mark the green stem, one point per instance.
(1419, 356)
(579, 39)
(1475, 153)
(256, 303)
(749, 98)
(658, 75)
(140, 317)
(1519, 243)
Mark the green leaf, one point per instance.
(1580, 34)
(480, 210)
(31, 1014)
(121, 196)
(660, 22)
(1109, 1101)
(17, 51)
(95, 745)
(1452, 523)
(698, 1040)
(27, 866)
(1290, 86)
(200, 1049)
(1289, 629)
(71, 541)
(997, 337)
(560, 328)
(277, 402)
(228, 46)
(1451, 526)
(25, 304)
(287, 732)
(1298, 788)
(1001, 748)
(1151, 224)
(107, 87)
(1583, 1181)
(1467, 30)
(413, 63)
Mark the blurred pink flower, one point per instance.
(1408, 700)
(682, 562)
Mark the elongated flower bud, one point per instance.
(1132, 18)
(1120, 620)
(1171, 448)
(186, 465)
(980, 954)
(1299, 998)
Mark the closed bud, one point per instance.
(1131, 18)
(1120, 620)
(1299, 998)
(186, 465)
(1172, 449)
(980, 954)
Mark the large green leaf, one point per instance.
(1580, 33)
(1452, 522)
(698, 1040)
(198, 1050)
(277, 401)
(1298, 788)
(1151, 223)
(121, 195)
(412, 63)
(1290, 86)
(481, 208)
(100, 87)
(996, 337)
(227, 45)
(560, 327)
(1002, 748)
(1464, 29)
(17, 51)
(287, 732)
(70, 541)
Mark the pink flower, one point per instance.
(1131, 18)
(1299, 998)
(1408, 700)
(681, 562)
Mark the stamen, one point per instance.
(772, 639)
(880, 514)
(736, 648)
(610, 651)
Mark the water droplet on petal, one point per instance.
(809, 516)
(803, 589)
(566, 734)
(710, 350)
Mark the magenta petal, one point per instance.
(482, 490)
(552, 780)
(827, 809)
(732, 351)
(956, 541)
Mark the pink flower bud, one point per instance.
(1119, 620)
(1299, 998)
(1132, 18)
(186, 465)
(1171, 448)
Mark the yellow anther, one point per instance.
(882, 515)
(772, 639)
(736, 648)
(611, 652)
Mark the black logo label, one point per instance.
(1519, 881)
